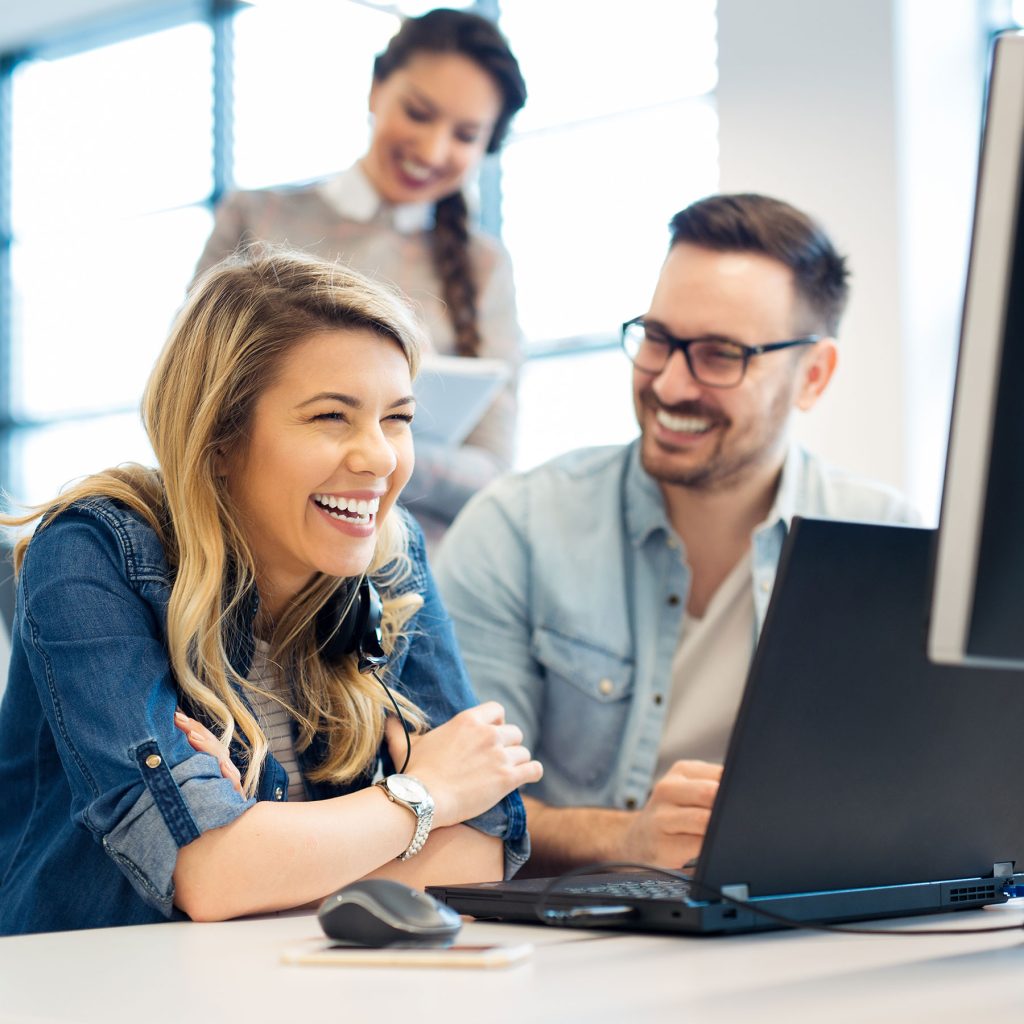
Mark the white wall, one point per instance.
(866, 114)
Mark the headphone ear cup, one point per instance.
(371, 639)
(336, 626)
(351, 624)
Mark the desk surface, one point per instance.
(233, 971)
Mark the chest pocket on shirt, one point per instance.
(586, 706)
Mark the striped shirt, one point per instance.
(275, 721)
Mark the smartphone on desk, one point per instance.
(325, 953)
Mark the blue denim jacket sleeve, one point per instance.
(97, 656)
(431, 673)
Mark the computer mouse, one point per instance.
(379, 912)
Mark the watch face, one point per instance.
(407, 788)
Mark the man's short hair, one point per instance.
(747, 222)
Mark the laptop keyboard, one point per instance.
(644, 888)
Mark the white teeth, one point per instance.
(415, 170)
(683, 424)
(352, 510)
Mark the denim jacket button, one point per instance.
(278, 793)
(631, 803)
(154, 761)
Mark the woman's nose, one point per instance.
(372, 454)
(435, 145)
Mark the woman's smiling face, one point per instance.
(433, 120)
(328, 451)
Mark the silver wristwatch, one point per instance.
(408, 791)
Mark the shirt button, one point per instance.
(631, 803)
(672, 543)
(154, 761)
(673, 600)
(605, 687)
(278, 793)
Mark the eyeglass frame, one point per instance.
(683, 345)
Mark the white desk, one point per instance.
(201, 973)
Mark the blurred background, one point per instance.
(122, 122)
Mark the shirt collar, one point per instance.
(784, 506)
(351, 194)
(645, 504)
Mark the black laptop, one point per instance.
(861, 781)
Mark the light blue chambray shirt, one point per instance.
(566, 585)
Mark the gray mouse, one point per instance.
(379, 912)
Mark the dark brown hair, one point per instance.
(447, 31)
(747, 222)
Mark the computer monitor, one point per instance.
(977, 611)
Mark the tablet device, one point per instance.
(453, 393)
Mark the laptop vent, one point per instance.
(973, 893)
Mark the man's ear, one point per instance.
(816, 371)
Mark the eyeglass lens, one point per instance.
(718, 363)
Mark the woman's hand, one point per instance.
(205, 742)
(469, 763)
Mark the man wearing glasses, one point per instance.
(611, 599)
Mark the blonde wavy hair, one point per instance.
(223, 352)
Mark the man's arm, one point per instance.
(667, 831)
(483, 574)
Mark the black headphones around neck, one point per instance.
(351, 624)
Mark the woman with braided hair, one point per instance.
(444, 91)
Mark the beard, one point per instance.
(737, 450)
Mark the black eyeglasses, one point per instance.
(711, 361)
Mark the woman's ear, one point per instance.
(816, 371)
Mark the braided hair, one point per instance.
(448, 31)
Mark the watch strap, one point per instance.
(424, 811)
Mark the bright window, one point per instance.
(119, 150)
(619, 133)
(111, 159)
(301, 86)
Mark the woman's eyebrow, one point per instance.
(350, 400)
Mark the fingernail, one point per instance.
(180, 717)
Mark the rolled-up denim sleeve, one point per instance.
(99, 662)
(431, 673)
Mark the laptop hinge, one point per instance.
(736, 892)
(1002, 869)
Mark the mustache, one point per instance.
(697, 409)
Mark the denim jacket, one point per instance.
(100, 789)
(567, 585)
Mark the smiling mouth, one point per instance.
(415, 171)
(349, 510)
(683, 424)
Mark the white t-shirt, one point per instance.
(709, 672)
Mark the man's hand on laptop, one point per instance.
(669, 829)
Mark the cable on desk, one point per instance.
(610, 915)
